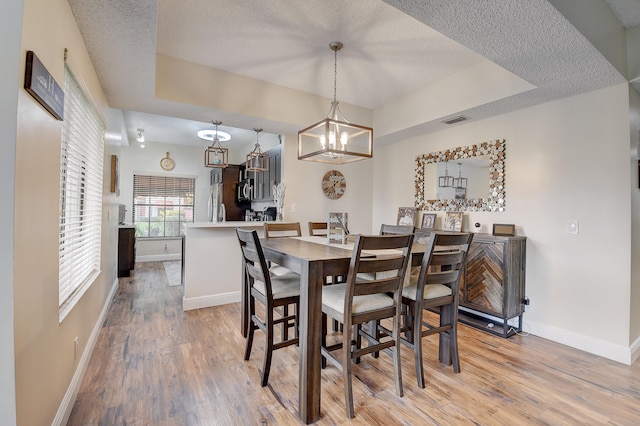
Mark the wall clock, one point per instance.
(334, 184)
(167, 163)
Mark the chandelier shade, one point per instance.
(257, 161)
(335, 140)
(216, 156)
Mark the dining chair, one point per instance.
(359, 301)
(272, 292)
(436, 288)
(386, 229)
(281, 230)
(318, 229)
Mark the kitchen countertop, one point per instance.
(227, 224)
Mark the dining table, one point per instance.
(314, 259)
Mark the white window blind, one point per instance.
(81, 166)
(162, 205)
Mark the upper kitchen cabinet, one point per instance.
(264, 181)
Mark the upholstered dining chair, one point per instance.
(318, 229)
(436, 288)
(272, 292)
(359, 301)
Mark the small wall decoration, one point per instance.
(453, 221)
(334, 184)
(504, 229)
(406, 216)
(114, 175)
(428, 221)
(41, 85)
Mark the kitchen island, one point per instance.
(213, 263)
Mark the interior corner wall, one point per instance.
(634, 108)
(11, 24)
(45, 360)
(565, 160)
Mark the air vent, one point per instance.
(454, 120)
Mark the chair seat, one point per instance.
(333, 297)
(277, 270)
(431, 291)
(283, 286)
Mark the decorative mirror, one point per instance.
(466, 171)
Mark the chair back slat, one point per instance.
(282, 229)
(318, 228)
(386, 229)
(444, 277)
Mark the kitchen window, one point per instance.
(81, 166)
(162, 205)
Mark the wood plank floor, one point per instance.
(156, 365)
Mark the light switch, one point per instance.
(294, 207)
(574, 227)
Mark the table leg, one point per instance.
(310, 341)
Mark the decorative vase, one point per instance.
(279, 216)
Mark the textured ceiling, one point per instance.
(401, 46)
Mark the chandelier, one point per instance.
(140, 138)
(460, 182)
(335, 140)
(257, 161)
(215, 155)
(446, 181)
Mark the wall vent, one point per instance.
(454, 120)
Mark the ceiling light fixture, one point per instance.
(460, 182)
(140, 138)
(215, 155)
(445, 181)
(335, 140)
(257, 161)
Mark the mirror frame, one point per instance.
(495, 200)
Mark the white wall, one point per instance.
(566, 160)
(11, 24)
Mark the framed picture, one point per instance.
(453, 221)
(115, 184)
(407, 216)
(428, 221)
(503, 229)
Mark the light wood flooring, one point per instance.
(154, 364)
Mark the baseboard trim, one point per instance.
(64, 411)
(589, 344)
(208, 301)
(158, 257)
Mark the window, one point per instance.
(81, 164)
(162, 205)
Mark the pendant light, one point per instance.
(215, 155)
(460, 182)
(445, 181)
(335, 140)
(257, 161)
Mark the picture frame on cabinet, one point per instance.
(406, 216)
(453, 222)
(504, 229)
(428, 221)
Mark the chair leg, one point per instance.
(397, 361)
(323, 360)
(449, 340)
(251, 328)
(268, 348)
(373, 331)
(346, 371)
(285, 324)
(358, 340)
(416, 338)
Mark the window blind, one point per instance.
(81, 168)
(162, 205)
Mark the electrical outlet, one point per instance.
(165, 248)
(574, 227)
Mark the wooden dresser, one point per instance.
(492, 289)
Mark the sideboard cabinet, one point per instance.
(492, 288)
(126, 250)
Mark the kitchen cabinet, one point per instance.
(263, 181)
(492, 288)
(126, 250)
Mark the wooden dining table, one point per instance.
(314, 261)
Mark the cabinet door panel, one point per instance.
(484, 278)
